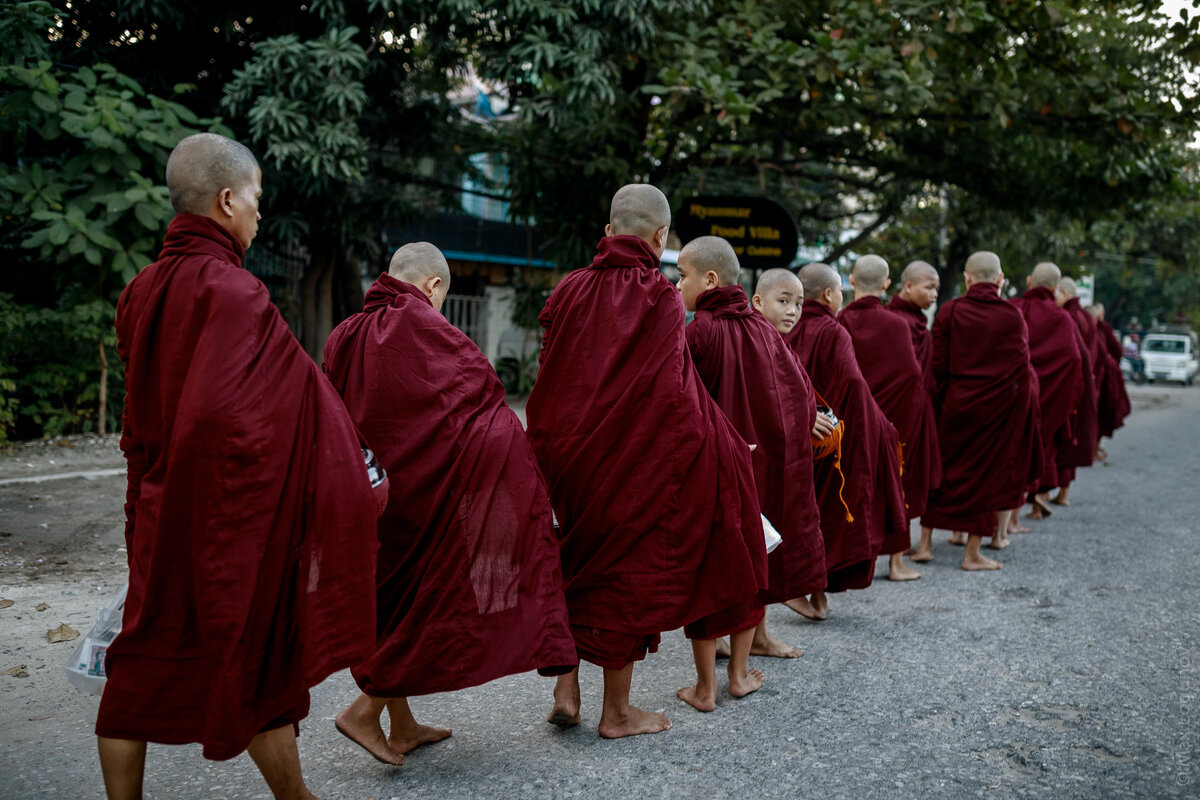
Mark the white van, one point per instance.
(1171, 357)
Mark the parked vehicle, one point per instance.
(1172, 355)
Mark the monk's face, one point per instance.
(781, 305)
(693, 281)
(243, 206)
(922, 293)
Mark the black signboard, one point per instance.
(761, 231)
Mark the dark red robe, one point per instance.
(922, 340)
(1054, 353)
(987, 412)
(759, 383)
(1081, 450)
(653, 488)
(1114, 400)
(469, 587)
(870, 456)
(250, 519)
(890, 367)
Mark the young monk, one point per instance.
(919, 286)
(469, 586)
(250, 518)
(652, 486)
(755, 379)
(1054, 353)
(1114, 400)
(865, 517)
(1081, 450)
(889, 365)
(987, 423)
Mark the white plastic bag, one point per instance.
(85, 669)
(770, 534)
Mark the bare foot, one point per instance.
(958, 539)
(411, 738)
(742, 686)
(634, 722)
(1059, 500)
(1042, 504)
(765, 644)
(1017, 527)
(820, 604)
(999, 544)
(565, 713)
(899, 571)
(804, 608)
(921, 556)
(367, 734)
(980, 563)
(722, 648)
(701, 699)
(1036, 513)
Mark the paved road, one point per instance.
(1071, 673)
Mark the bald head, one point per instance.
(818, 277)
(778, 278)
(639, 209)
(1066, 286)
(1097, 310)
(1045, 275)
(712, 254)
(984, 267)
(870, 275)
(918, 271)
(202, 166)
(416, 261)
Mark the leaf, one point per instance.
(40, 607)
(63, 633)
(6, 603)
(16, 672)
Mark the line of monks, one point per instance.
(262, 559)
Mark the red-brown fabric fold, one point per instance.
(922, 340)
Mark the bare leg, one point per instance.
(764, 644)
(565, 713)
(278, 760)
(621, 719)
(360, 724)
(703, 696)
(406, 733)
(742, 679)
(722, 648)
(1014, 521)
(123, 763)
(899, 571)
(820, 604)
(804, 608)
(974, 560)
(957, 538)
(924, 551)
(1000, 535)
(1062, 498)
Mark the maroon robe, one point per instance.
(653, 488)
(870, 456)
(759, 383)
(469, 587)
(987, 412)
(1080, 451)
(1114, 404)
(922, 340)
(890, 367)
(250, 519)
(1054, 353)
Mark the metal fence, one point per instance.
(468, 313)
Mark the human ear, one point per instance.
(225, 202)
(756, 301)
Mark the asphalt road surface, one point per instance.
(1071, 673)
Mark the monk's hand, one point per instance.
(821, 428)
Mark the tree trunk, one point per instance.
(102, 423)
(316, 303)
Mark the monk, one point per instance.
(469, 586)
(865, 517)
(882, 345)
(1054, 353)
(1081, 450)
(250, 516)
(1114, 399)
(759, 384)
(988, 411)
(919, 286)
(652, 486)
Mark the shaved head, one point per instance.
(775, 278)
(638, 209)
(984, 266)
(1045, 275)
(1097, 310)
(1067, 287)
(415, 262)
(870, 274)
(203, 165)
(917, 270)
(712, 253)
(818, 277)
